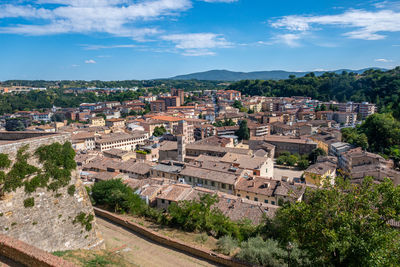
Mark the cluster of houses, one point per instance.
(197, 151)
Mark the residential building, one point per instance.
(122, 141)
(171, 101)
(291, 144)
(158, 106)
(97, 121)
(115, 123)
(366, 109)
(320, 172)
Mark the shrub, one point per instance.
(4, 161)
(29, 202)
(281, 160)
(71, 190)
(226, 245)
(84, 220)
(303, 164)
(202, 238)
(291, 160)
(260, 252)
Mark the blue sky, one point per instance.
(145, 39)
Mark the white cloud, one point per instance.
(289, 39)
(90, 61)
(98, 47)
(383, 60)
(220, 1)
(369, 25)
(116, 17)
(197, 44)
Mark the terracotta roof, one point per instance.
(258, 185)
(209, 175)
(167, 118)
(244, 161)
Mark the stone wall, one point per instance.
(27, 255)
(47, 225)
(170, 242)
(13, 136)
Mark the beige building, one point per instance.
(97, 121)
(320, 172)
(259, 189)
(115, 123)
(260, 166)
(122, 141)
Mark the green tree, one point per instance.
(303, 164)
(237, 104)
(344, 224)
(315, 154)
(291, 160)
(114, 194)
(382, 131)
(243, 133)
(159, 131)
(15, 125)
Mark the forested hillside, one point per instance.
(376, 86)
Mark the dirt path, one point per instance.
(140, 251)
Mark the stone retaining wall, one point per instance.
(170, 242)
(28, 255)
(49, 224)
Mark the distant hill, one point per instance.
(226, 75)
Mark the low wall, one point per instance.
(170, 242)
(28, 255)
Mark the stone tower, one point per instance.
(181, 147)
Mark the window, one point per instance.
(163, 201)
(190, 179)
(223, 186)
(213, 183)
(256, 199)
(266, 201)
(247, 197)
(273, 202)
(238, 195)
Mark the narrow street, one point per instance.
(140, 251)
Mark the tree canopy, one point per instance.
(375, 86)
(344, 224)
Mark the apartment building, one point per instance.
(122, 141)
(158, 106)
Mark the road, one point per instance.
(140, 251)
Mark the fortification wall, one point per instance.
(27, 255)
(49, 224)
(13, 136)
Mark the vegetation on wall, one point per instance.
(29, 202)
(58, 162)
(84, 220)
